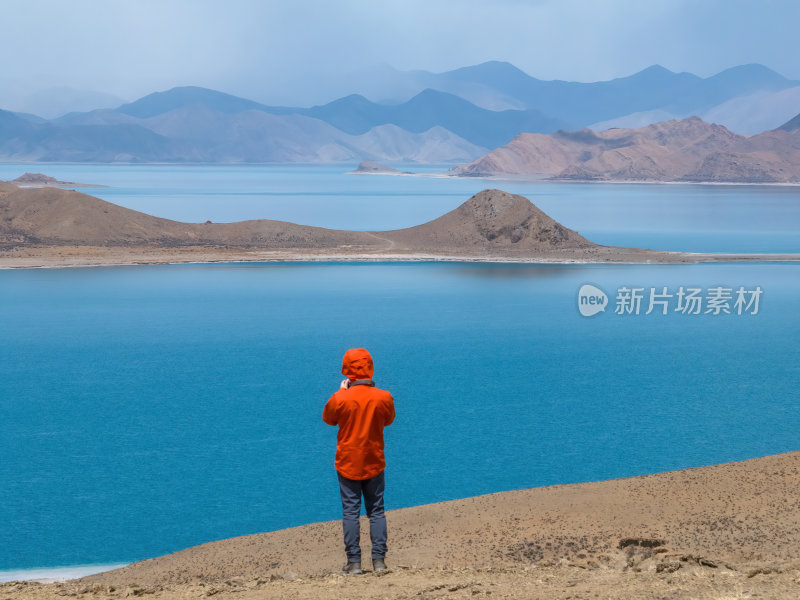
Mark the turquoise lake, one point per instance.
(147, 409)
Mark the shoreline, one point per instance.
(547, 178)
(526, 178)
(56, 257)
(60, 186)
(57, 574)
(703, 532)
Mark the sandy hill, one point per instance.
(37, 179)
(59, 217)
(681, 150)
(42, 180)
(720, 532)
(491, 221)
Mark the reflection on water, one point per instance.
(511, 271)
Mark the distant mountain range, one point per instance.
(450, 117)
(500, 85)
(685, 150)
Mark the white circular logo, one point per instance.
(591, 300)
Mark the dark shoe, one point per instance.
(378, 565)
(352, 568)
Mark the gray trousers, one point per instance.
(351, 492)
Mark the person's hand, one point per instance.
(345, 384)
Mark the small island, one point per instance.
(369, 167)
(50, 227)
(32, 180)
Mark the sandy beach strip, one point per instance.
(30, 257)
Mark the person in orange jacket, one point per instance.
(361, 411)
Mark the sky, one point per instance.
(301, 51)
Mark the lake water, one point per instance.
(147, 409)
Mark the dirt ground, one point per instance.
(719, 532)
(535, 583)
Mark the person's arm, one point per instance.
(329, 413)
(389, 412)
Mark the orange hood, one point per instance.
(357, 364)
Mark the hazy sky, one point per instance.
(275, 51)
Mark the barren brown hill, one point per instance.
(49, 227)
(734, 515)
(36, 179)
(491, 221)
(720, 532)
(42, 180)
(685, 150)
(51, 216)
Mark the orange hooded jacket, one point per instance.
(361, 411)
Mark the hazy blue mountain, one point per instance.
(355, 114)
(30, 117)
(745, 79)
(748, 114)
(54, 102)
(386, 85)
(197, 133)
(501, 76)
(650, 89)
(12, 124)
(24, 140)
(499, 84)
(102, 116)
(352, 114)
(259, 136)
(792, 124)
(128, 143)
(161, 102)
(754, 113)
(436, 124)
